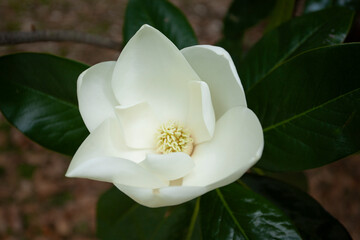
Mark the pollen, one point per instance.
(173, 137)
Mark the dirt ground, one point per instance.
(36, 200)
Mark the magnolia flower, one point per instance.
(166, 126)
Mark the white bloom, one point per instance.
(166, 126)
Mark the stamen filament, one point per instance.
(173, 137)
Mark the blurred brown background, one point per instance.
(36, 200)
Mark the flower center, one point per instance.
(173, 137)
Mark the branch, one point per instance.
(9, 38)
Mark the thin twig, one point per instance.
(9, 38)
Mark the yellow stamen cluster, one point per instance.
(172, 137)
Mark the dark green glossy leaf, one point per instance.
(323, 28)
(234, 48)
(38, 96)
(244, 14)
(163, 16)
(282, 12)
(309, 108)
(236, 212)
(119, 217)
(316, 5)
(312, 221)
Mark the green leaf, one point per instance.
(314, 30)
(119, 217)
(312, 221)
(309, 108)
(244, 14)
(234, 48)
(38, 96)
(282, 12)
(236, 212)
(163, 16)
(316, 5)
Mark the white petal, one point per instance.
(169, 166)
(111, 169)
(236, 146)
(166, 196)
(215, 67)
(151, 69)
(96, 98)
(139, 124)
(105, 141)
(104, 156)
(201, 117)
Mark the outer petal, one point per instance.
(237, 145)
(201, 117)
(169, 166)
(104, 156)
(166, 196)
(96, 98)
(105, 141)
(215, 67)
(111, 169)
(139, 125)
(151, 69)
